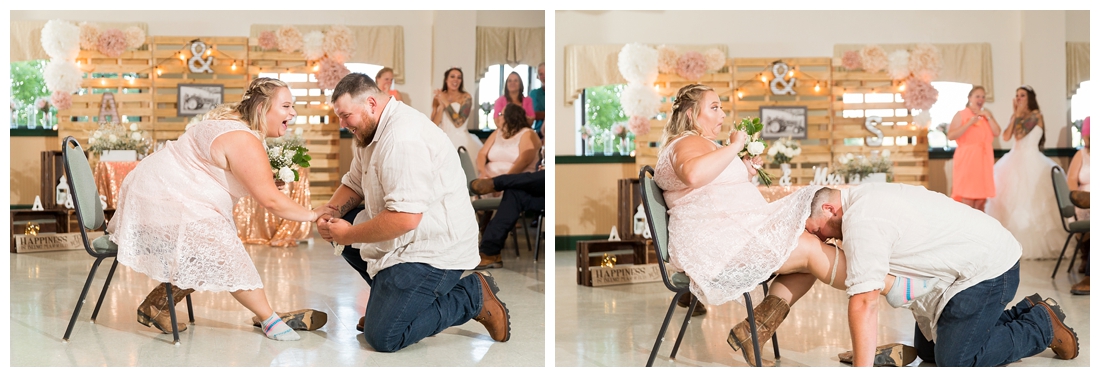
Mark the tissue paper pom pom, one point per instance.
(639, 125)
(61, 39)
(339, 43)
(62, 76)
(851, 60)
(289, 39)
(925, 62)
(899, 65)
(268, 40)
(716, 59)
(330, 73)
(640, 100)
(135, 37)
(919, 94)
(89, 36)
(61, 100)
(924, 119)
(873, 58)
(312, 45)
(111, 43)
(638, 63)
(666, 59)
(691, 65)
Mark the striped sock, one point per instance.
(906, 289)
(275, 328)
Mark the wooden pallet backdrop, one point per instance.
(144, 84)
(752, 77)
(910, 155)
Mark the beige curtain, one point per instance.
(970, 63)
(380, 45)
(508, 45)
(1077, 66)
(26, 37)
(598, 65)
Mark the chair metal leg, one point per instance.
(515, 240)
(80, 300)
(538, 238)
(172, 313)
(1073, 259)
(1063, 254)
(190, 313)
(664, 326)
(775, 338)
(752, 329)
(106, 284)
(683, 327)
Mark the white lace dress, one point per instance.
(458, 133)
(724, 235)
(1025, 203)
(174, 220)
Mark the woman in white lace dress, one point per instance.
(1025, 202)
(725, 236)
(174, 220)
(451, 107)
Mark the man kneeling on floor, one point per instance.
(416, 232)
(908, 230)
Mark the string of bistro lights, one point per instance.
(764, 79)
(182, 56)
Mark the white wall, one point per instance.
(813, 34)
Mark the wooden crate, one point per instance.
(813, 79)
(630, 197)
(590, 254)
(911, 158)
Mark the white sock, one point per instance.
(275, 328)
(906, 289)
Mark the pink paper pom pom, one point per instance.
(289, 39)
(639, 125)
(919, 94)
(112, 43)
(691, 65)
(89, 36)
(268, 40)
(330, 73)
(61, 100)
(851, 60)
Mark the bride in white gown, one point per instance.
(1025, 202)
(451, 107)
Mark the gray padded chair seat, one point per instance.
(103, 245)
(1079, 226)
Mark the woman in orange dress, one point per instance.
(974, 129)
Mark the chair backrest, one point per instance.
(1061, 193)
(656, 213)
(467, 167)
(89, 210)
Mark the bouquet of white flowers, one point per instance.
(287, 154)
(112, 136)
(784, 150)
(754, 146)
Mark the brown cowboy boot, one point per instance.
(768, 315)
(153, 312)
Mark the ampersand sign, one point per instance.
(780, 69)
(871, 124)
(197, 64)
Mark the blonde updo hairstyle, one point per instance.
(685, 109)
(254, 105)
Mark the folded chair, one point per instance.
(657, 218)
(89, 210)
(487, 204)
(1065, 209)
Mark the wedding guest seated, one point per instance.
(522, 192)
(1079, 185)
(511, 149)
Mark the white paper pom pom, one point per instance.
(640, 100)
(899, 65)
(61, 39)
(716, 59)
(313, 45)
(62, 76)
(638, 63)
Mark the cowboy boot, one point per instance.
(153, 312)
(768, 315)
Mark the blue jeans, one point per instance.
(975, 329)
(411, 301)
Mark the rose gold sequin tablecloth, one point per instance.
(109, 176)
(777, 192)
(257, 226)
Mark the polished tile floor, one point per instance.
(45, 286)
(616, 326)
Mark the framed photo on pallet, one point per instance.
(784, 121)
(195, 99)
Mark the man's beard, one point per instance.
(362, 140)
